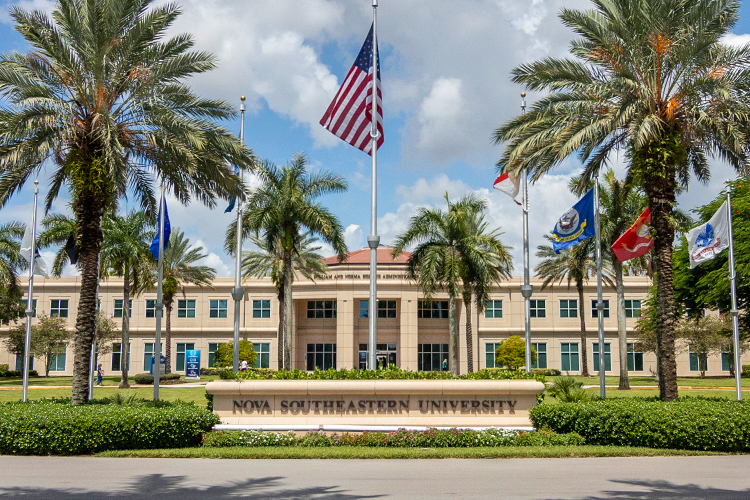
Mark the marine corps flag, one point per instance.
(636, 241)
(575, 225)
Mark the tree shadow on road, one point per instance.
(161, 487)
(664, 490)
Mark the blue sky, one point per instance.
(446, 86)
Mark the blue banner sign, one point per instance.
(193, 365)
(162, 365)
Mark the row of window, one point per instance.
(568, 308)
(263, 351)
(569, 356)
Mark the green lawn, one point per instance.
(681, 381)
(168, 393)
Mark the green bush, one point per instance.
(745, 371)
(687, 424)
(432, 438)
(17, 373)
(390, 373)
(548, 372)
(512, 353)
(56, 428)
(3, 367)
(148, 379)
(568, 390)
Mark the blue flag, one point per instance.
(167, 231)
(576, 225)
(233, 199)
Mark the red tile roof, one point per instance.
(362, 256)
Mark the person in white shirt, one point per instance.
(243, 365)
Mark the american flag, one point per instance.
(349, 116)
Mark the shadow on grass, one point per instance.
(163, 487)
(664, 490)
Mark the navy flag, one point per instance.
(233, 199)
(576, 225)
(167, 231)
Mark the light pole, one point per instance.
(526, 288)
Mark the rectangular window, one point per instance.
(726, 360)
(594, 311)
(385, 355)
(569, 357)
(493, 309)
(432, 357)
(632, 308)
(186, 308)
(180, 361)
(635, 357)
(117, 356)
(569, 308)
(58, 308)
(24, 304)
(148, 353)
(217, 308)
(538, 309)
(435, 309)
(118, 308)
(57, 363)
(261, 308)
(489, 354)
(386, 308)
(212, 346)
(321, 356)
(698, 363)
(19, 362)
(364, 308)
(263, 358)
(607, 357)
(321, 308)
(150, 308)
(541, 355)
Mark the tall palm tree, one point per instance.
(454, 253)
(285, 207)
(125, 252)
(101, 101)
(178, 270)
(651, 78)
(574, 265)
(11, 262)
(268, 262)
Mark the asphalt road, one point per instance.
(684, 478)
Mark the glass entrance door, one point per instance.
(385, 355)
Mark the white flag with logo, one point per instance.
(708, 240)
(40, 267)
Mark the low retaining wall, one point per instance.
(431, 403)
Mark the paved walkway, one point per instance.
(654, 478)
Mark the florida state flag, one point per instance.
(636, 241)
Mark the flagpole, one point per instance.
(159, 294)
(373, 240)
(599, 301)
(238, 292)
(734, 311)
(30, 300)
(526, 288)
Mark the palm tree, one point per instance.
(651, 78)
(453, 252)
(101, 102)
(574, 264)
(178, 270)
(267, 262)
(11, 262)
(281, 210)
(125, 252)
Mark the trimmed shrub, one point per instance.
(432, 438)
(3, 367)
(211, 371)
(17, 373)
(745, 371)
(54, 427)
(687, 424)
(390, 373)
(548, 372)
(148, 379)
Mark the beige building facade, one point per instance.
(330, 324)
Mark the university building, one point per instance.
(330, 324)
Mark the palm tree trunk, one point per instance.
(287, 320)
(469, 334)
(453, 334)
(584, 352)
(622, 330)
(124, 351)
(168, 335)
(661, 194)
(89, 233)
(280, 332)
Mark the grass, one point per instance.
(364, 452)
(727, 381)
(167, 393)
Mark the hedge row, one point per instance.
(390, 373)
(148, 379)
(58, 428)
(16, 373)
(687, 424)
(432, 438)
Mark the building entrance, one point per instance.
(385, 355)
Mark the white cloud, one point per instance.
(354, 237)
(46, 6)
(736, 40)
